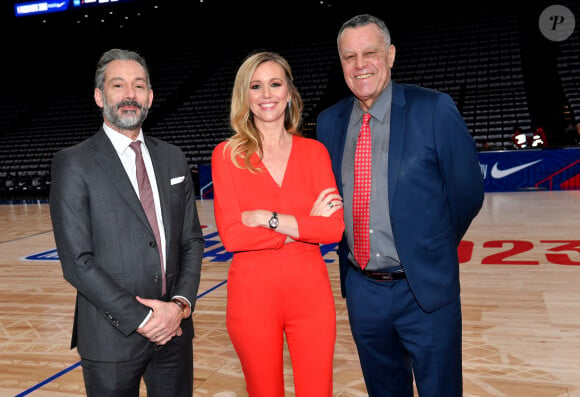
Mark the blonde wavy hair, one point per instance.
(246, 139)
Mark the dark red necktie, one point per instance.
(146, 197)
(362, 194)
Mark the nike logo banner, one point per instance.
(548, 169)
(498, 174)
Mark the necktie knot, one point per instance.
(366, 118)
(136, 146)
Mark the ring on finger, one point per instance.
(330, 204)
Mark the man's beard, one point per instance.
(125, 120)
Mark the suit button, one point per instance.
(152, 243)
(156, 278)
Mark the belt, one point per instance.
(380, 276)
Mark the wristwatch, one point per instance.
(183, 305)
(274, 222)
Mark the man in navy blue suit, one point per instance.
(426, 187)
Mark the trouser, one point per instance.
(397, 340)
(167, 371)
(287, 297)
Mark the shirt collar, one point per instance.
(120, 142)
(379, 109)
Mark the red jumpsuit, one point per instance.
(277, 289)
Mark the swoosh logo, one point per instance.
(498, 174)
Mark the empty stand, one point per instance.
(477, 62)
(476, 59)
(568, 63)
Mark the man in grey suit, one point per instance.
(136, 279)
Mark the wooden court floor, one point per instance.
(520, 276)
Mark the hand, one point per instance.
(164, 323)
(327, 203)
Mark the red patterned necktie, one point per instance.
(362, 194)
(146, 197)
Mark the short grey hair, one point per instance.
(117, 54)
(364, 20)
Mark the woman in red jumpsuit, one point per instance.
(275, 201)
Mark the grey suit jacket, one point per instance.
(107, 248)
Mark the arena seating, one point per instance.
(568, 63)
(477, 60)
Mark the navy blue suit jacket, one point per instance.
(435, 186)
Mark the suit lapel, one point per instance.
(343, 118)
(109, 161)
(397, 137)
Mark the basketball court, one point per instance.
(520, 275)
